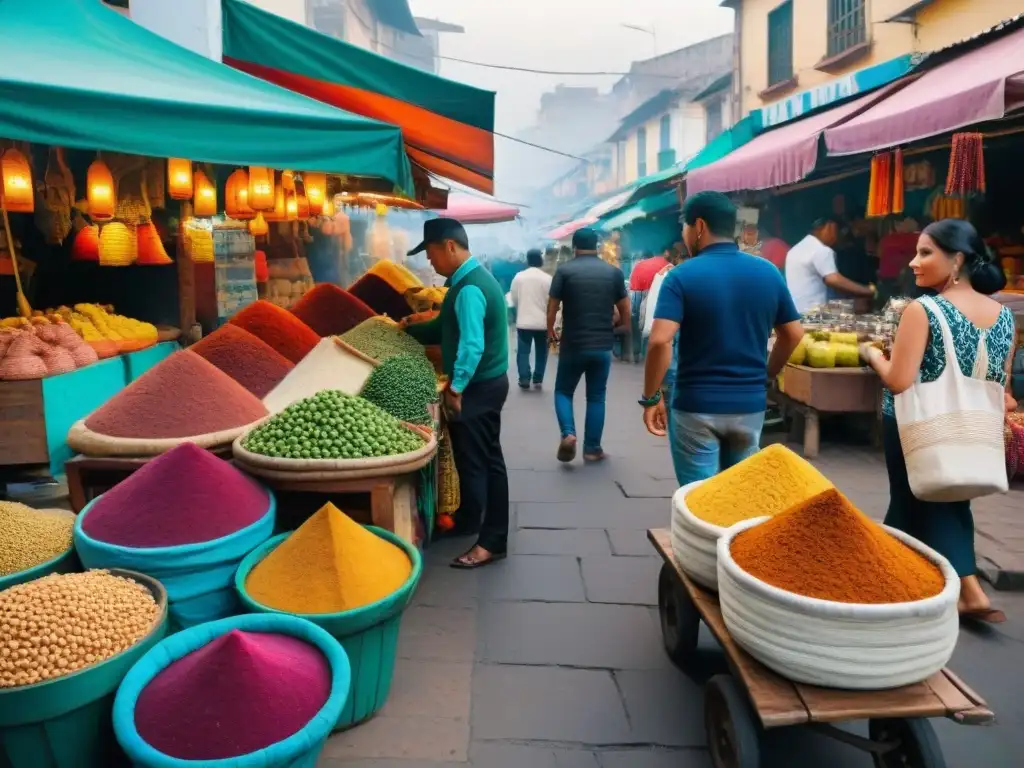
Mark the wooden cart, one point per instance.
(738, 706)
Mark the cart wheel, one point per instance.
(731, 726)
(680, 619)
(918, 747)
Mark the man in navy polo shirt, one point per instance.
(724, 304)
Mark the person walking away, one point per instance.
(724, 304)
(529, 296)
(811, 269)
(640, 281)
(952, 260)
(589, 291)
(472, 330)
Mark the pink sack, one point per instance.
(81, 352)
(23, 360)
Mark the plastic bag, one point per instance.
(651, 303)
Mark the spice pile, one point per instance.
(62, 623)
(828, 549)
(182, 396)
(332, 425)
(330, 310)
(279, 328)
(240, 693)
(185, 496)
(769, 482)
(330, 564)
(403, 385)
(30, 537)
(251, 362)
(380, 296)
(380, 340)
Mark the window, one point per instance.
(714, 118)
(641, 152)
(780, 44)
(847, 26)
(665, 129)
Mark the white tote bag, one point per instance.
(650, 304)
(951, 429)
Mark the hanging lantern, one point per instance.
(17, 182)
(261, 188)
(179, 178)
(258, 226)
(279, 212)
(205, 203)
(118, 245)
(288, 181)
(316, 191)
(328, 208)
(150, 248)
(100, 186)
(292, 206)
(86, 246)
(236, 196)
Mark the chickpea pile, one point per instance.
(62, 623)
(29, 536)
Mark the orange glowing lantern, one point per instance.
(99, 184)
(328, 209)
(292, 206)
(179, 178)
(236, 196)
(302, 203)
(205, 203)
(279, 212)
(288, 181)
(258, 226)
(316, 191)
(261, 188)
(17, 182)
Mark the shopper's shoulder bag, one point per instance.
(951, 429)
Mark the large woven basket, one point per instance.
(83, 440)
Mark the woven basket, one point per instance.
(118, 245)
(83, 440)
(150, 248)
(199, 245)
(449, 493)
(131, 209)
(86, 246)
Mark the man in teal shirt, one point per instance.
(472, 330)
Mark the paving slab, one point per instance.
(664, 709)
(501, 755)
(545, 541)
(615, 513)
(594, 485)
(438, 739)
(623, 580)
(631, 543)
(545, 578)
(432, 633)
(444, 587)
(661, 758)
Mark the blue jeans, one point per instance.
(526, 339)
(705, 444)
(595, 364)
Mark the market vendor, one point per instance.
(811, 269)
(472, 330)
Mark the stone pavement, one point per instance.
(553, 658)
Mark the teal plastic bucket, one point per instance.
(368, 634)
(63, 563)
(299, 750)
(66, 722)
(198, 577)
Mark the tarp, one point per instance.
(448, 126)
(984, 84)
(75, 73)
(565, 230)
(473, 210)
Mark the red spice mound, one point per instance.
(181, 396)
(239, 694)
(185, 496)
(378, 294)
(279, 328)
(253, 363)
(330, 310)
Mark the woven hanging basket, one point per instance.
(118, 245)
(199, 245)
(86, 246)
(150, 248)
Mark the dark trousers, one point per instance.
(947, 526)
(483, 480)
(539, 341)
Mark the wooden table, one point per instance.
(739, 706)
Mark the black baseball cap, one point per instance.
(584, 239)
(439, 230)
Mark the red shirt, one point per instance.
(775, 250)
(644, 273)
(896, 251)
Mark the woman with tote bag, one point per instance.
(944, 400)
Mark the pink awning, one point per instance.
(777, 158)
(475, 210)
(984, 84)
(565, 230)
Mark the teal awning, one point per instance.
(647, 206)
(727, 141)
(75, 73)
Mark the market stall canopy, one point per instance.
(610, 203)
(565, 230)
(75, 73)
(473, 210)
(646, 206)
(984, 84)
(777, 158)
(448, 126)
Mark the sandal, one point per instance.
(464, 563)
(567, 449)
(984, 616)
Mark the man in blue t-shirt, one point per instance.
(724, 304)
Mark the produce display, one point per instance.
(332, 425)
(30, 537)
(328, 366)
(828, 549)
(41, 348)
(330, 564)
(279, 328)
(184, 496)
(330, 310)
(767, 483)
(108, 333)
(398, 276)
(62, 623)
(403, 385)
(182, 396)
(288, 280)
(251, 362)
(238, 694)
(381, 296)
(380, 340)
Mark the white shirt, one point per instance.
(529, 295)
(808, 264)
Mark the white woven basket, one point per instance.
(695, 541)
(839, 645)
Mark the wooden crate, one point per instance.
(22, 424)
(833, 390)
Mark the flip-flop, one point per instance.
(984, 616)
(459, 565)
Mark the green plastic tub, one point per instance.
(368, 634)
(63, 563)
(66, 722)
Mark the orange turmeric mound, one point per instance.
(329, 564)
(828, 549)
